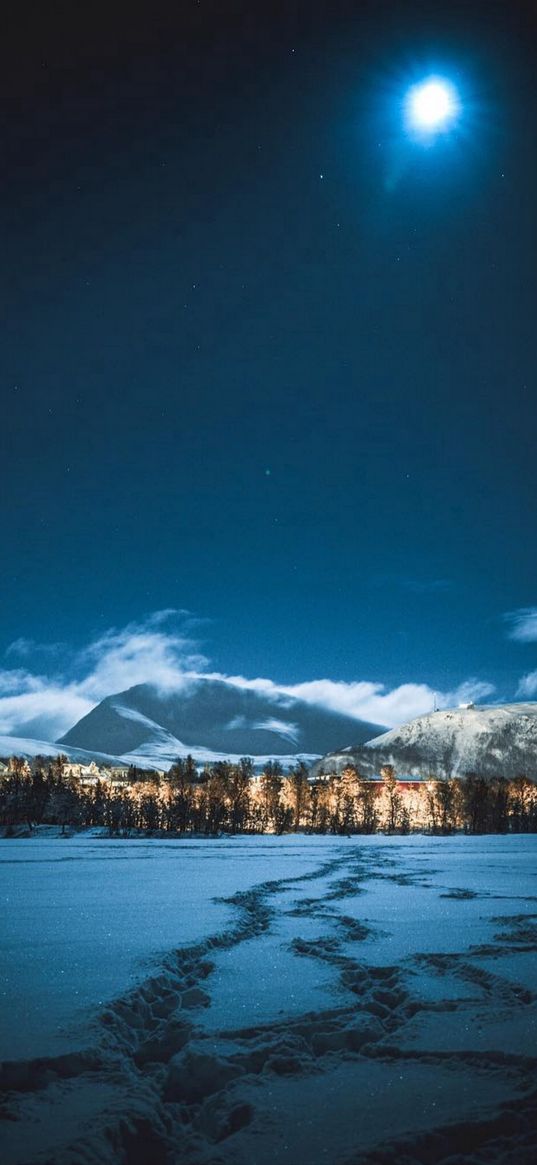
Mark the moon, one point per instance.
(431, 106)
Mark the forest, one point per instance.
(229, 798)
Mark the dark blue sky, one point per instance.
(264, 358)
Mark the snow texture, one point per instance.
(491, 740)
(257, 1000)
(28, 747)
(160, 752)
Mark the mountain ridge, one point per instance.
(493, 739)
(211, 718)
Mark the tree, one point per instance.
(392, 797)
(523, 805)
(18, 766)
(149, 809)
(446, 795)
(271, 786)
(367, 806)
(297, 794)
(38, 796)
(15, 801)
(348, 800)
(97, 804)
(238, 793)
(65, 805)
(180, 799)
(58, 765)
(432, 803)
(475, 796)
(499, 805)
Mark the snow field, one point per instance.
(359, 1000)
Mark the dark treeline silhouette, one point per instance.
(228, 798)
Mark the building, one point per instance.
(85, 774)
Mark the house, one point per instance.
(85, 774)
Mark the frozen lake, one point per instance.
(82, 919)
(251, 1000)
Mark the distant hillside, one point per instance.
(28, 747)
(491, 740)
(211, 718)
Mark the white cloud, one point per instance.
(161, 651)
(523, 624)
(44, 711)
(366, 700)
(528, 685)
(17, 680)
(157, 651)
(139, 653)
(23, 648)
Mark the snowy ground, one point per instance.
(261, 1000)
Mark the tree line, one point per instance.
(228, 798)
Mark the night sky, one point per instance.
(264, 357)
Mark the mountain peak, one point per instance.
(211, 718)
(492, 739)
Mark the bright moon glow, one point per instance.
(431, 106)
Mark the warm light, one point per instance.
(431, 106)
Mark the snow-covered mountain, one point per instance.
(28, 747)
(212, 719)
(491, 740)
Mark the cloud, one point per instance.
(158, 650)
(24, 648)
(417, 586)
(523, 624)
(41, 709)
(161, 650)
(434, 586)
(528, 685)
(366, 700)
